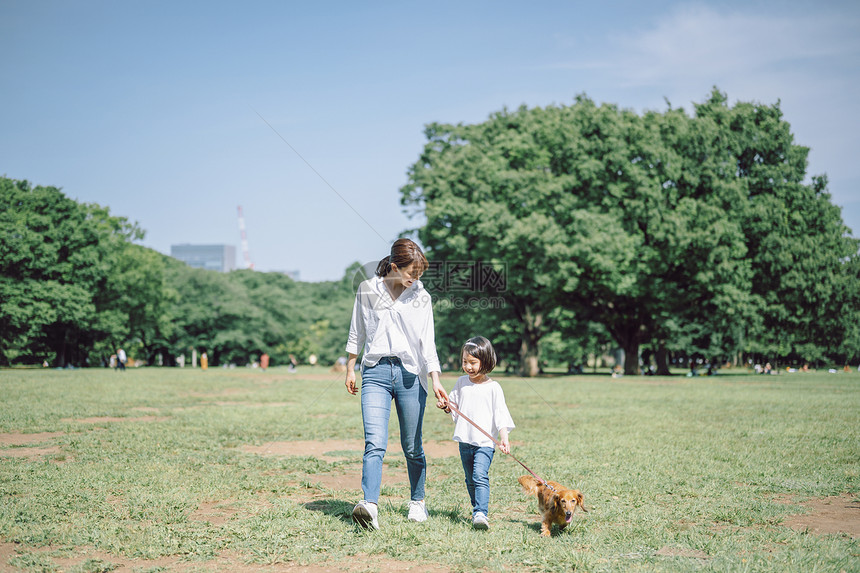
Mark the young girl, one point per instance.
(480, 399)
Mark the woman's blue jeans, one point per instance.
(476, 463)
(380, 384)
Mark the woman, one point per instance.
(392, 322)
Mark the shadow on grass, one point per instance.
(342, 510)
(535, 526)
(453, 515)
(333, 507)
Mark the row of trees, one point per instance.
(74, 286)
(554, 231)
(666, 232)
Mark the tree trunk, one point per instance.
(662, 358)
(530, 341)
(61, 352)
(628, 335)
(631, 358)
(529, 366)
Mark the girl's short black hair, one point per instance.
(482, 349)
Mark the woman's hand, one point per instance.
(350, 374)
(439, 391)
(350, 382)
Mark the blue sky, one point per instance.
(162, 110)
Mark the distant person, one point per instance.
(693, 370)
(293, 363)
(264, 361)
(339, 364)
(204, 361)
(121, 358)
(392, 325)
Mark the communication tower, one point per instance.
(245, 253)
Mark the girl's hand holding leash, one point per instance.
(504, 443)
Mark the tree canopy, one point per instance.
(74, 287)
(56, 257)
(666, 229)
(549, 230)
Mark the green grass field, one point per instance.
(230, 470)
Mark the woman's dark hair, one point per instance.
(482, 349)
(404, 252)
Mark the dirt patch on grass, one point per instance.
(214, 512)
(11, 446)
(835, 515)
(337, 450)
(351, 481)
(681, 552)
(328, 450)
(348, 450)
(17, 439)
(32, 453)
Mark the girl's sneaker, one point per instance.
(480, 521)
(364, 513)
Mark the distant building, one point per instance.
(211, 257)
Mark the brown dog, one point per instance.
(556, 506)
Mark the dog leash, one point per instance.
(483, 431)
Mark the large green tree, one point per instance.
(480, 188)
(804, 281)
(56, 256)
(643, 223)
(572, 202)
(138, 300)
(237, 316)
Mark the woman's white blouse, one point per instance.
(403, 328)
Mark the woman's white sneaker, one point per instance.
(418, 511)
(364, 513)
(480, 521)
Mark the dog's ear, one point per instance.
(579, 499)
(555, 502)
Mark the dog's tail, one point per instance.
(530, 484)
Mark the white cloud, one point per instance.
(700, 43)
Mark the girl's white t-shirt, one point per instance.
(484, 404)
